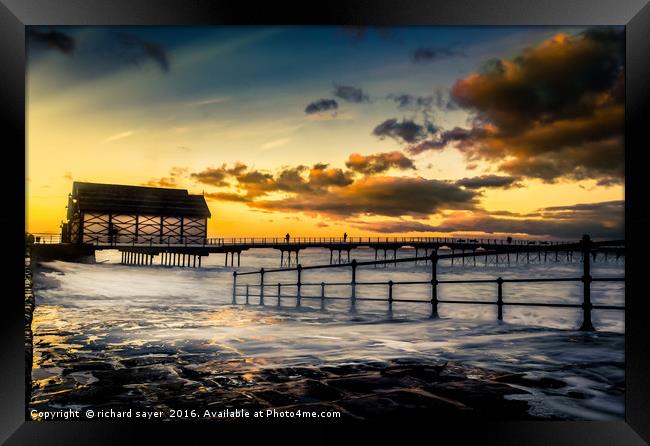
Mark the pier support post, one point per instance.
(234, 287)
(298, 285)
(434, 285)
(586, 284)
(500, 299)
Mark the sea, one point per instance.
(106, 312)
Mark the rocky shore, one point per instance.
(29, 336)
(400, 388)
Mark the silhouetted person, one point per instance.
(287, 237)
(345, 237)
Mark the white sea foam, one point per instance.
(108, 304)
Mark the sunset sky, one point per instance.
(320, 130)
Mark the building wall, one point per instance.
(140, 229)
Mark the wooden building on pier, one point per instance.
(119, 214)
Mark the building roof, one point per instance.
(121, 199)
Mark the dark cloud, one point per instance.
(322, 105)
(554, 111)
(162, 182)
(458, 136)
(256, 183)
(379, 195)
(484, 181)
(227, 196)
(171, 181)
(443, 100)
(213, 176)
(395, 226)
(407, 131)
(603, 220)
(411, 102)
(350, 94)
(321, 176)
(430, 54)
(135, 50)
(52, 39)
(378, 162)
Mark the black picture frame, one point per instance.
(633, 14)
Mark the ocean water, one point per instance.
(110, 311)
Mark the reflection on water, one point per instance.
(151, 330)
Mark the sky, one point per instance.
(316, 131)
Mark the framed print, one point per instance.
(364, 215)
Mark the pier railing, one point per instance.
(220, 241)
(586, 245)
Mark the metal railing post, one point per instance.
(353, 283)
(279, 293)
(261, 286)
(247, 295)
(298, 285)
(390, 296)
(500, 299)
(434, 285)
(586, 284)
(322, 295)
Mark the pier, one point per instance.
(174, 251)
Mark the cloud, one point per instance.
(411, 102)
(170, 181)
(350, 94)
(483, 181)
(275, 143)
(162, 182)
(395, 226)
(256, 183)
(378, 195)
(227, 196)
(407, 131)
(321, 106)
(604, 220)
(217, 176)
(52, 39)
(460, 137)
(135, 50)
(553, 112)
(443, 100)
(118, 136)
(431, 54)
(378, 162)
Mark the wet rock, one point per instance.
(87, 366)
(536, 383)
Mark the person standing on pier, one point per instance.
(287, 237)
(345, 237)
